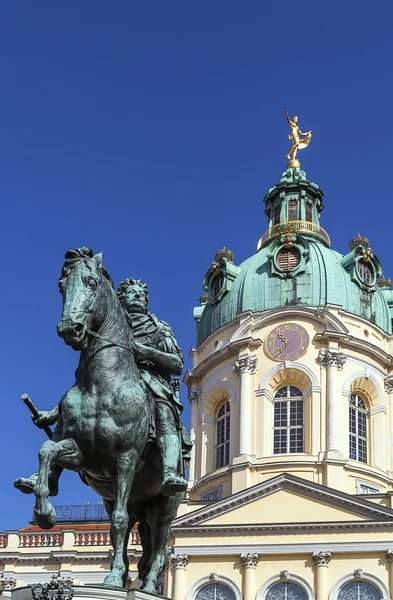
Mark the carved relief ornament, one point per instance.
(249, 559)
(331, 358)
(321, 558)
(246, 364)
(180, 560)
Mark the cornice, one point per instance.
(287, 482)
(286, 528)
(352, 342)
(231, 349)
(60, 556)
(361, 547)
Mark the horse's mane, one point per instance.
(75, 257)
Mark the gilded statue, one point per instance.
(297, 142)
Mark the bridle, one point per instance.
(93, 309)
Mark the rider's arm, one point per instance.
(171, 363)
(47, 417)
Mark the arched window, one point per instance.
(288, 420)
(215, 591)
(357, 428)
(286, 590)
(223, 430)
(359, 590)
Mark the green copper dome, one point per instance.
(295, 266)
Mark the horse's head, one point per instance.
(82, 284)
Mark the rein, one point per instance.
(100, 337)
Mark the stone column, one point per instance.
(179, 585)
(388, 383)
(245, 366)
(250, 561)
(321, 560)
(332, 361)
(194, 397)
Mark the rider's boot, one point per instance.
(26, 484)
(170, 452)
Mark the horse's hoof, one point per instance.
(113, 580)
(24, 485)
(45, 520)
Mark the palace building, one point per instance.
(291, 392)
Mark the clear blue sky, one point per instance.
(151, 131)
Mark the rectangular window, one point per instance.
(288, 435)
(213, 494)
(222, 441)
(308, 212)
(292, 210)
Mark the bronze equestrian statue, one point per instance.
(119, 424)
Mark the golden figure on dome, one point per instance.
(297, 142)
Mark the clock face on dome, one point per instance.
(288, 341)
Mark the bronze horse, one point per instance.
(104, 420)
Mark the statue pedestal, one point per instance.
(90, 592)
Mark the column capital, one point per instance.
(321, 558)
(388, 384)
(194, 395)
(7, 583)
(389, 554)
(180, 561)
(249, 559)
(246, 364)
(331, 358)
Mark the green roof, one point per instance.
(324, 280)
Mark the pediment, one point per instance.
(286, 499)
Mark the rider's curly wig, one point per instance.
(75, 257)
(131, 281)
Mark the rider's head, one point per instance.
(133, 295)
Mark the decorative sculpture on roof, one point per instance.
(119, 425)
(297, 142)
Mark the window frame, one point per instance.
(288, 427)
(287, 268)
(293, 208)
(198, 585)
(358, 442)
(225, 419)
(261, 594)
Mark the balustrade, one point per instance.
(40, 540)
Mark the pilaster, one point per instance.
(389, 554)
(332, 360)
(250, 561)
(194, 398)
(321, 560)
(245, 366)
(388, 384)
(179, 585)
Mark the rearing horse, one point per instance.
(104, 420)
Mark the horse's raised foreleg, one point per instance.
(160, 517)
(65, 453)
(125, 469)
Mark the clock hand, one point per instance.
(285, 344)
